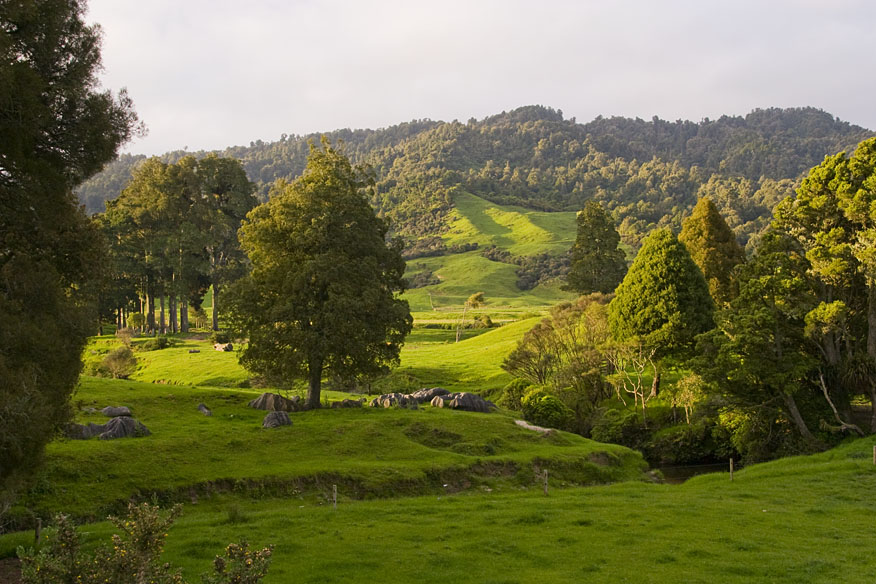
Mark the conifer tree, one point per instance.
(598, 265)
(663, 301)
(713, 247)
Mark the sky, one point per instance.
(207, 74)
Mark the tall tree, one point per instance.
(322, 294)
(228, 196)
(664, 299)
(713, 247)
(598, 264)
(57, 128)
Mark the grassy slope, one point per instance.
(520, 231)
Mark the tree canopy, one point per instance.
(57, 128)
(713, 247)
(598, 264)
(322, 294)
(663, 300)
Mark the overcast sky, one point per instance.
(206, 74)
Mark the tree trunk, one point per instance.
(174, 323)
(461, 321)
(163, 328)
(150, 311)
(183, 316)
(873, 407)
(871, 319)
(314, 383)
(797, 418)
(215, 303)
(655, 384)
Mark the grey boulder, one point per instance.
(123, 427)
(277, 403)
(115, 411)
(276, 419)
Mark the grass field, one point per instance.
(799, 520)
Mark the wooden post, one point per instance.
(545, 482)
(335, 496)
(731, 469)
(37, 530)
(874, 454)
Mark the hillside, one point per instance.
(648, 173)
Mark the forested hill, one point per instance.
(648, 173)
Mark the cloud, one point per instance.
(213, 74)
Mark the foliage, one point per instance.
(155, 344)
(134, 557)
(220, 337)
(120, 363)
(565, 352)
(647, 173)
(57, 128)
(597, 263)
(543, 409)
(322, 292)
(663, 300)
(713, 247)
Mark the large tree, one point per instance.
(663, 300)
(322, 294)
(57, 128)
(598, 264)
(713, 247)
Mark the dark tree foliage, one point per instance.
(647, 174)
(322, 295)
(597, 263)
(663, 300)
(713, 247)
(56, 129)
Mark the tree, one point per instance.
(474, 301)
(664, 299)
(757, 354)
(56, 129)
(322, 294)
(598, 264)
(713, 247)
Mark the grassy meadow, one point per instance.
(432, 495)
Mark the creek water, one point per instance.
(677, 474)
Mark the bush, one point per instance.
(155, 344)
(543, 409)
(125, 335)
(120, 363)
(513, 393)
(134, 555)
(619, 427)
(136, 320)
(220, 337)
(484, 321)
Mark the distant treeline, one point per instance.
(646, 173)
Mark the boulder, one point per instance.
(115, 411)
(204, 410)
(427, 395)
(84, 431)
(277, 403)
(348, 403)
(223, 347)
(468, 402)
(194, 350)
(388, 400)
(276, 419)
(123, 427)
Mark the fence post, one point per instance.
(545, 482)
(731, 469)
(37, 530)
(335, 496)
(874, 454)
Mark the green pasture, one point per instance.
(801, 520)
(516, 229)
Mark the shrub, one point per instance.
(544, 409)
(125, 335)
(513, 393)
(155, 344)
(619, 427)
(134, 555)
(483, 321)
(221, 337)
(120, 363)
(136, 320)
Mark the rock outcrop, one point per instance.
(115, 411)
